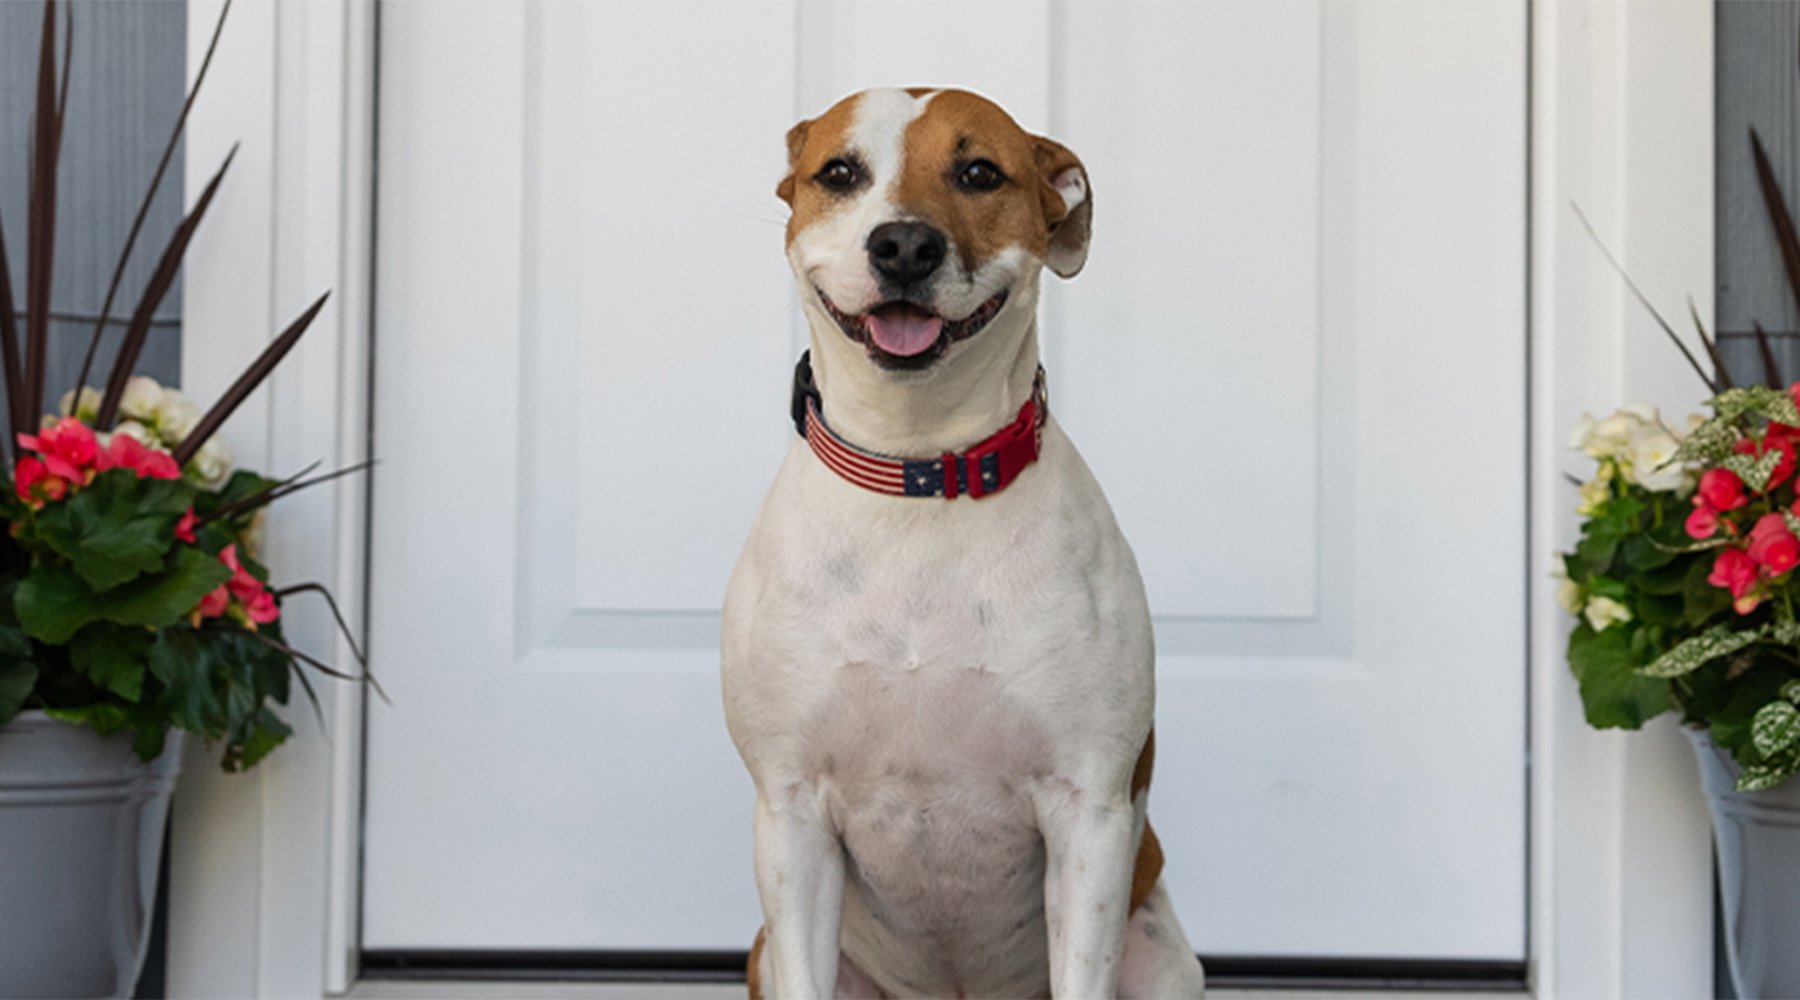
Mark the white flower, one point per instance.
(90, 404)
(176, 417)
(1611, 434)
(1568, 592)
(1604, 611)
(211, 465)
(1604, 439)
(1649, 451)
(1584, 431)
(254, 535)
(133, 429)
(143, 395)
(1594, 492)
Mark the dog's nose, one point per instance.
(905, 252)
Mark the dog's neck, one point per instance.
(950, 406)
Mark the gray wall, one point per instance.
(126, 91)
(1757, 44)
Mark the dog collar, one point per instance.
(988, 467)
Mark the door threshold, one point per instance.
(575, 989)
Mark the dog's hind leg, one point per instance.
(1158, 961)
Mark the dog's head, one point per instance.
(919, 216)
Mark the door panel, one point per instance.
(1295, 362)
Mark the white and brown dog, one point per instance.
(939, 668)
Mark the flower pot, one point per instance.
(81, 824)
(1757, 835)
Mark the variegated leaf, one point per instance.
(1709, 442)
(1791, 691)
(1775, 728)
(1691, 654)
(1759, 777)
(1754, 470)
(1756, 400)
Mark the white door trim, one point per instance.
(1622, 123)
(265, 867)
(264, 886)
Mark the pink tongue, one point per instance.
(904, 333)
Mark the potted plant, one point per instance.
(133, 609)
(1687, 598)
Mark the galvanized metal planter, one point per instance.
(81, 829)
(1757, 835)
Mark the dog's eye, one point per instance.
(838, 175)
(981, 175)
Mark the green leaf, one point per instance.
(1776, 728)
(17, 678)
(181, 662)
(120, 526)
(112, 656)
(53, 602)
(1700, 599)
(1613, 693)
(1596, 552)
(1731, 721)
(1791, 690)
(1760, 777)
(148, 744)
(1720, 640)
(1658, 609)
(13, 641)
(266, 733)
(1667, 579)
(103, 717)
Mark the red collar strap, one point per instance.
(988, 467)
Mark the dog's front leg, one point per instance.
(800, 876)
(1087, 885)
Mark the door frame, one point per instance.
(265, 866)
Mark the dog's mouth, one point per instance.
(902, 334)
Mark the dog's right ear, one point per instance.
(796, 141)
(1068, 206)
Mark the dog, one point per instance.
(936, 651)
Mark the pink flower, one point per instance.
(1773, 546)
(29, 473)
(262, 609)
(1722, 489)
(1733, 570)
(184, 528)
(1703, 522)
(214, 604)
(35, 484)
(127, 452)
(243, 586)
(68, 447)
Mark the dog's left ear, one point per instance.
(796, 141)
(1068, 206)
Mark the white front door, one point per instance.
(1295, 362)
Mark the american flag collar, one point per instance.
(987, 468)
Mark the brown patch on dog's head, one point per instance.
(811, 144)
(954, 141)
(1040, 200)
